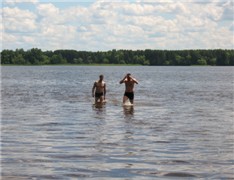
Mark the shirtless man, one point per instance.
(99, 90)
(129, 85)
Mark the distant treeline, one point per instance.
(35, 56)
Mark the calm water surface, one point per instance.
(180, 127)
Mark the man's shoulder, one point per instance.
(98, 82)
(128, 81)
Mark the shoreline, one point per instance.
(2, 65)
(72, 65)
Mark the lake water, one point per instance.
(181, 125)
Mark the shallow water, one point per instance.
(181, 125)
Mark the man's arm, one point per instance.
(134, 80)
(123, 80)
(94, 86)
(105, 91)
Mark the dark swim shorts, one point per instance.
(98, 95)
(130, 95)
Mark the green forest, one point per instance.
(35, 56)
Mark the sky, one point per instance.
(104, 25)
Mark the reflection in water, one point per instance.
(128, 111)
(99, 108)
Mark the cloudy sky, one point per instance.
(103, 25)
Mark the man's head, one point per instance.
(128, 76)
(101, 77)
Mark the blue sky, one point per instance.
(103, 25)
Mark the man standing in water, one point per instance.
(129, 86)
(99, 90)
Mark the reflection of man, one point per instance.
(128, 111)
(99, 90)
(129, 86)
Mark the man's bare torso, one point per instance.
(129, 85)
(99, 86)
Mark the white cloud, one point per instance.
(228, 11)
(14, 2)
(47, 10)
(28, 39)
(109, 25)
(10, 38)
(231, 28)
(17, 20)
(17, 13)
(58, 31)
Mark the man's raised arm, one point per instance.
(134, 80)
(120, 82)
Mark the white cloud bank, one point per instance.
(105, 25)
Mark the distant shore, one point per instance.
(71, 65)
(147, 57)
